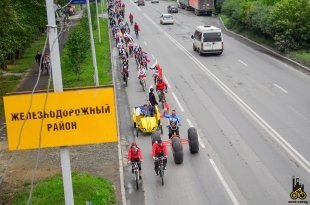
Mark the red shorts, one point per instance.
(142, 76)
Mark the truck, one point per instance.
(200, 7)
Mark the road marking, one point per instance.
(168, 84)
(278, 86)
(144, 42)
(199, 140)
(2, 128)
(298, 113)
(220, 176)
(178, 102)
(133, 3)
(240, 61)
(259, 120)
(153, 57)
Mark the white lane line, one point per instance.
(259, 120)
(144, 42)
(2, 128)
(240, 61)
(178, 102)
(282, 89)
(298, 113)
(220, 176)
(168, 84)
(200, 141)
(153, 57)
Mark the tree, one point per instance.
(78, 44)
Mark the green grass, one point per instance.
(27, 59)
(8, 84)
(85, 188)
(103, 57)
(301, 56)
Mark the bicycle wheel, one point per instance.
(142, 82)
(162, 175)
(126, 81)
(137, 179)
(143, 85)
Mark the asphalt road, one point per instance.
(251, 111)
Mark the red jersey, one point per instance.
(159, 149)
(134, 154)
(161, 85)
(160, 71)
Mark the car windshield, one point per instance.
(212, 37)
(168, 17)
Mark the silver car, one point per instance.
(166, 19)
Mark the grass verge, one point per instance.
(27, 59)
(85, 188)
(8, 84)
(301, 56)
(103, 57)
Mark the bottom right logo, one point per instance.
(298, 192)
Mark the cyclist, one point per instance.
(137, 29)
(174, 122)
(141, 73)
(135, 155)
(125, 73)
(131, 18)
(159, 149)
(161, 87)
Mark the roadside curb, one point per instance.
(264, 47)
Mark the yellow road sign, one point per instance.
(68, 118)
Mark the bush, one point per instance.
(285, 21)
(78, 44)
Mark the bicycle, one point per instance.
(142, 83)
(162, 97)
(125, 77)
(136, 173)
(137, 33)
(161, 171)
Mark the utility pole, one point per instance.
(93, 52)
(58, 87)
(98, 21)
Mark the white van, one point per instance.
(208, 39)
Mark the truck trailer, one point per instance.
(200, 7)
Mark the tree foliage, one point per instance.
(20, 23)
(286, 21)
(78, 45)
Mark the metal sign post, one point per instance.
(58, 87)
(93, 52)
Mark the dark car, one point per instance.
(141, 3)
(172, 9)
